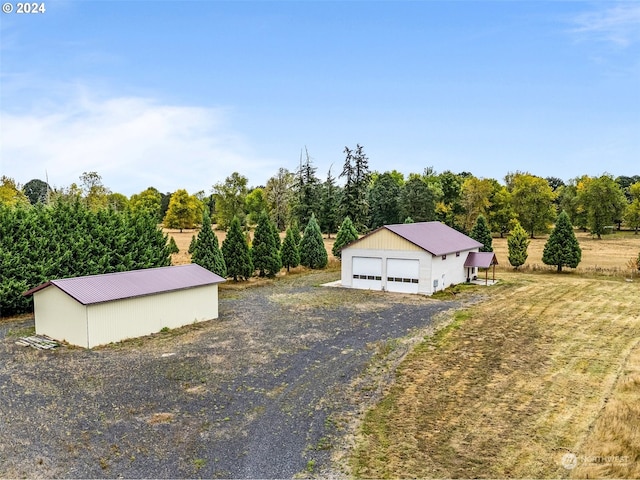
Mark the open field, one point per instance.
(607, 256)
(549, 365)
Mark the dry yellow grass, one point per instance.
(531, 374)
(609, 255)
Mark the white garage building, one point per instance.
(100, 309)
(411, 258)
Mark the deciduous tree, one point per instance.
(230, 199)
(603, 201)
(632, 212)
(532, 202)
(183, 211)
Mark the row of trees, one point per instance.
(266, 255)
(371, 199)
(67, 239)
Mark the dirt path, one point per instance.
(253, 394)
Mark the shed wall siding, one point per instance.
(133, 317)
(60, 317)
(450, 271)
(385, 240)
(424, 285)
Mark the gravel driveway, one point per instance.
(259, 393)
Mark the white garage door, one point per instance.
(367, 273)
(403, 275)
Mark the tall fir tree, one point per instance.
(307, 189)
(265, 252)
(290, 253)
(313, 254)
(329, 206)
(481, 233)
(518, 243)
(235, 250)
(346, 234)
(354, 201)
(562, 248)
(206, 251)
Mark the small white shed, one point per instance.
(100, 309)
(412, 258)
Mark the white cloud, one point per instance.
(132, 142)
(618, 24)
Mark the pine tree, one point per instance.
(265, 252)
(347, 233)
(297, 236)
(289, 253)
(562, 248)
(518, 242)
(313, 254)
(235, 250)
(173, 247)
(192, 245)
(206, 251)
(481, 233)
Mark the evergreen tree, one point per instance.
(384, 200)
(192, 245)
(289, 253)
(518, 242)
(417, 200)
(562, 248)
(313, 254)
(408, 220)
(329, 206)
(354, 201)
(307, 189)
(481, 233)
(206, 251)
(235, 250)
(346, 234)
(173, 247)
(297, 236)
(265, 252)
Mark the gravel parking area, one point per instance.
(261, 392)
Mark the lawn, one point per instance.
(545, 371)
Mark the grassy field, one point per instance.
(546, 370)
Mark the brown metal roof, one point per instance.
(481, 259)
(135, 283)
(434, 237)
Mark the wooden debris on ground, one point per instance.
(38, 341)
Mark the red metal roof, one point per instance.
(481, 259)
(434, 237)
(136, 283)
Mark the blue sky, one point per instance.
(180, 94)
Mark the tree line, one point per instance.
(67, 239)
